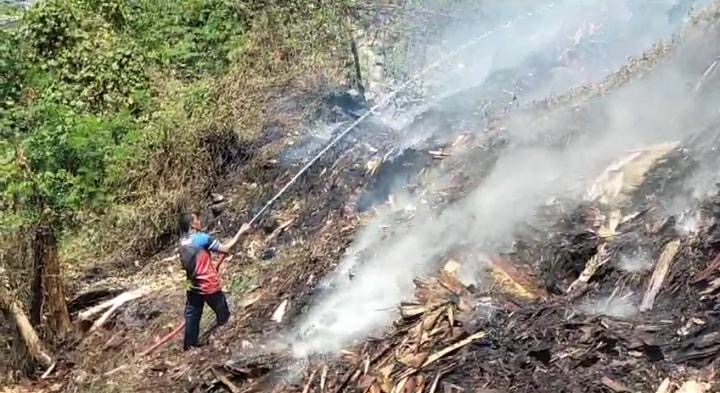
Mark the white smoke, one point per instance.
(623, 306)
(636, 262)
(526, 175)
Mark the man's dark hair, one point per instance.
(185, 222)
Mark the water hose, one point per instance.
(351, 127)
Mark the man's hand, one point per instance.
(245, 228)
(225, 248)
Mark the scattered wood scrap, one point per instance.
(432, 332)
(693, 386)
(279, 313)
(591, 267)
(708, 273)
(109, 307)
(514, 282)
(89, 297)
(661, 270)
(616, 185)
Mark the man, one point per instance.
(204, 285)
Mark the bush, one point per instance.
(50, 27)
(107, 103)
(191, 37)
(11, 75)
(61, 160)
(90, 67)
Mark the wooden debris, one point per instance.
(664, 386)
(431, 332)
(708, 272)
(89, 297)
(279, 313)
(225, 381)
(706, 76)
(373, 166)
(408, 310)
(438, 154)
(610, 222)
(513, 281)
(49, 371)
(436, 356)
(251, 298)
(452, 267)
(693, 386)
(614, 385)
(116, 303)
(116, 370)
(591, 267)
(171, 258)
(618, 182)
(120, 299)
(698, 346)
(437, 344)
(712, 286)
(306, 389)
(323, 378)
(434, 385)
(661, 270)
(11, 307)
(280, 229)
(414, 360)
(461, 140)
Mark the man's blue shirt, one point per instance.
(201, 240)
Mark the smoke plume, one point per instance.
(569, 44)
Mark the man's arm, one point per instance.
(227, 246)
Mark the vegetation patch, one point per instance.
(113, 115)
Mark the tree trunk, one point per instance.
(48, 295)
(14, 312)
(36, 292)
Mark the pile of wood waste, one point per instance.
(565, 314)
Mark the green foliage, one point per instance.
(10, 9)
(60, 161)
(52, 26)
(80, 117)
(11, 78)
(98, 53)
(299, 29)
(104, 104)
(188, 36)
(115, 12)
(90, 67)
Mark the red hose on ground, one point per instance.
(164, 340)
(175, 331)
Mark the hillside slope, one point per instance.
(562, 244)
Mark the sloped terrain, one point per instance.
(616, 293)
(609, 283)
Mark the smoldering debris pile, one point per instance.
(618, 293)
(565, 314)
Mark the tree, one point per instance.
(57, 170)
(79, 116)
(57, 80)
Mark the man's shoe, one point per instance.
(195, 348)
